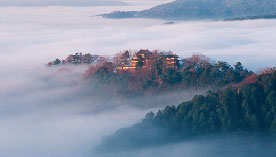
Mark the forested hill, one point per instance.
(205, 9)
(158, 74)
(137, 73)
(249, 108)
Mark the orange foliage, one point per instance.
(250, 79)
(267, 71)
(122, 58)
(197, 59)
(93, 68)
(153, 58)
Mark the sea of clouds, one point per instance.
(50, 112)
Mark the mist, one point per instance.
(55, 32)
(54, 112)
(226, 146)
(50, 112)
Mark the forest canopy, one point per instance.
(245, 109)
(150, 72)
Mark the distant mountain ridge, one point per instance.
(204, 10)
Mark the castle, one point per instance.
(141, 59)
(144, 57)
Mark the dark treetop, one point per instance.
(246, 109)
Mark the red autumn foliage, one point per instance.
(92, 69)
(266, 71)
(250, 79)
(198, 59)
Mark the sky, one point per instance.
(50, 112)
(77, 3)
(60, 3)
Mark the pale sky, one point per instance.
(60, 2)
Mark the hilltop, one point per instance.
(147, 72)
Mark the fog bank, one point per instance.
(53, 111)
(46, 33)
(234, 146)
(50, 112)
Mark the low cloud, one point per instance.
(55, 32)
(52, 112)
(205, 146)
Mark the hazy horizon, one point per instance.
(61, 3)
(55, 32)
(79, 3)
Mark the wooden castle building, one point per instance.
(143, 58)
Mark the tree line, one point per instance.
(245, 109)
(197, 71)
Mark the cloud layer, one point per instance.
(54, 32)
(51, 112)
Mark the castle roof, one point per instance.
(144, 51)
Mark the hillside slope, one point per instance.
(204, 10)
(248, 109)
